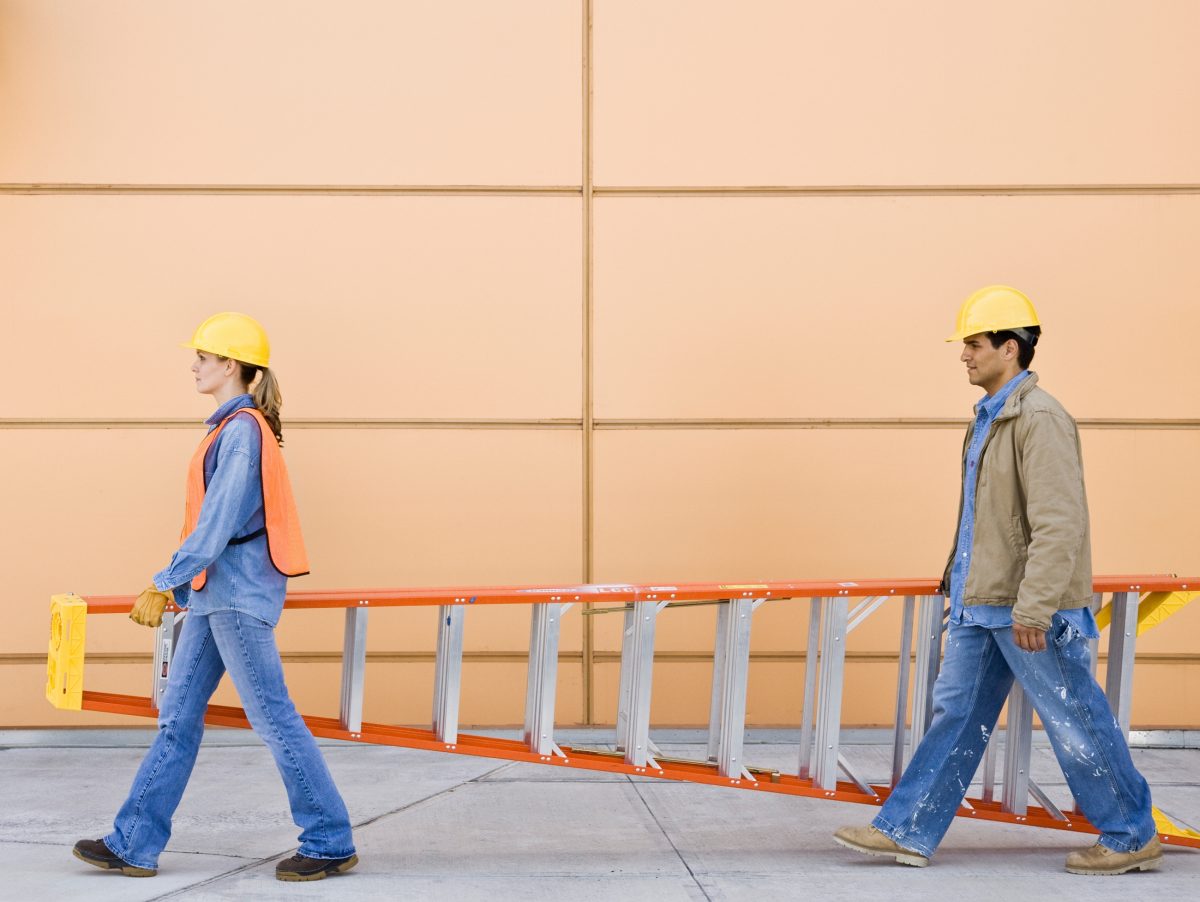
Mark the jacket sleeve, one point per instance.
(1052, 478)
(233, 488)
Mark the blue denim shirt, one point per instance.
(986, 615)
(241, 577)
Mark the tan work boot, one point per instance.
(870, 841)
(1102, 861)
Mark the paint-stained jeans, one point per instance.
(245, 646)
(977, 673)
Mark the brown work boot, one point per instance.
(96, 853)
(301, 867)
(870, 841)
(1101, 861)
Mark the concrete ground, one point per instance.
(435, 826)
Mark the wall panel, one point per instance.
(278, 92)
(773, 92)
(390, 307)
(838, 307)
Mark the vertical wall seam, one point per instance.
(589, 652)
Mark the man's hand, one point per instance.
(1029, 638)
(148, 609)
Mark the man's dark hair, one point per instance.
(1024, 346)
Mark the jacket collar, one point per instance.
(1012, 406)
(227, 409)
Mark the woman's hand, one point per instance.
(148, 609)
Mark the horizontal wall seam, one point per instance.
(290, 423)
(895, 190)
(1128, 423)
(570, 657)
(102, 188)
(296, 190)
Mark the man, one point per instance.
(1020, 585)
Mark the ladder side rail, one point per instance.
(715, 710)
(354, 669)
(447, 688)
(734, 684)
(900, 734)
(811, 659)
(829, 702)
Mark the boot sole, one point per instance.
(317, 875)
(1149, 865)
(913, 860)
(127, 869)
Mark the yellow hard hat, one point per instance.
(996, 308)
(233, 335)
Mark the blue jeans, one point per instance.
(977, 673)
(208, 646)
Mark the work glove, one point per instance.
(148, 609)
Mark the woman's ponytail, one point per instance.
(267, 397)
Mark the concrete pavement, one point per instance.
(434, 826)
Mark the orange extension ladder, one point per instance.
(1135, 603)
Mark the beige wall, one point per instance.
(662, 304)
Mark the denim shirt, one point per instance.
(984, 615)
(241, 577)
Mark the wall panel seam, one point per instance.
(952, 190)
(295, 190)
(588, 336)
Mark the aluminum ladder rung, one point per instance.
(447, 682)
(166, 641)
(731, 669)
(541, 686)
(637, 675)
(354, 669)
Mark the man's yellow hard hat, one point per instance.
(996, 308)
(233, 335)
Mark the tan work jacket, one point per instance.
(1032, 546)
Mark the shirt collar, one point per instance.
(227, 409)
(991, 406)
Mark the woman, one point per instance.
(241, 541)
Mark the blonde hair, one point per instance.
(267, 397)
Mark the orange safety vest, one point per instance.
(284, 542)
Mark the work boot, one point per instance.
(301, 867)
(870, 841)
(1100, 860)
(96, 853)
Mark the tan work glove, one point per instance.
(148, 609)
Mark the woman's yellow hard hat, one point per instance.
(996, 308)
(233, 335)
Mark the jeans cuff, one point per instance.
(325, 856)
(114, 847)
(898, 836)
(1119, 846)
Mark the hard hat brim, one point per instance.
(251, 359)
